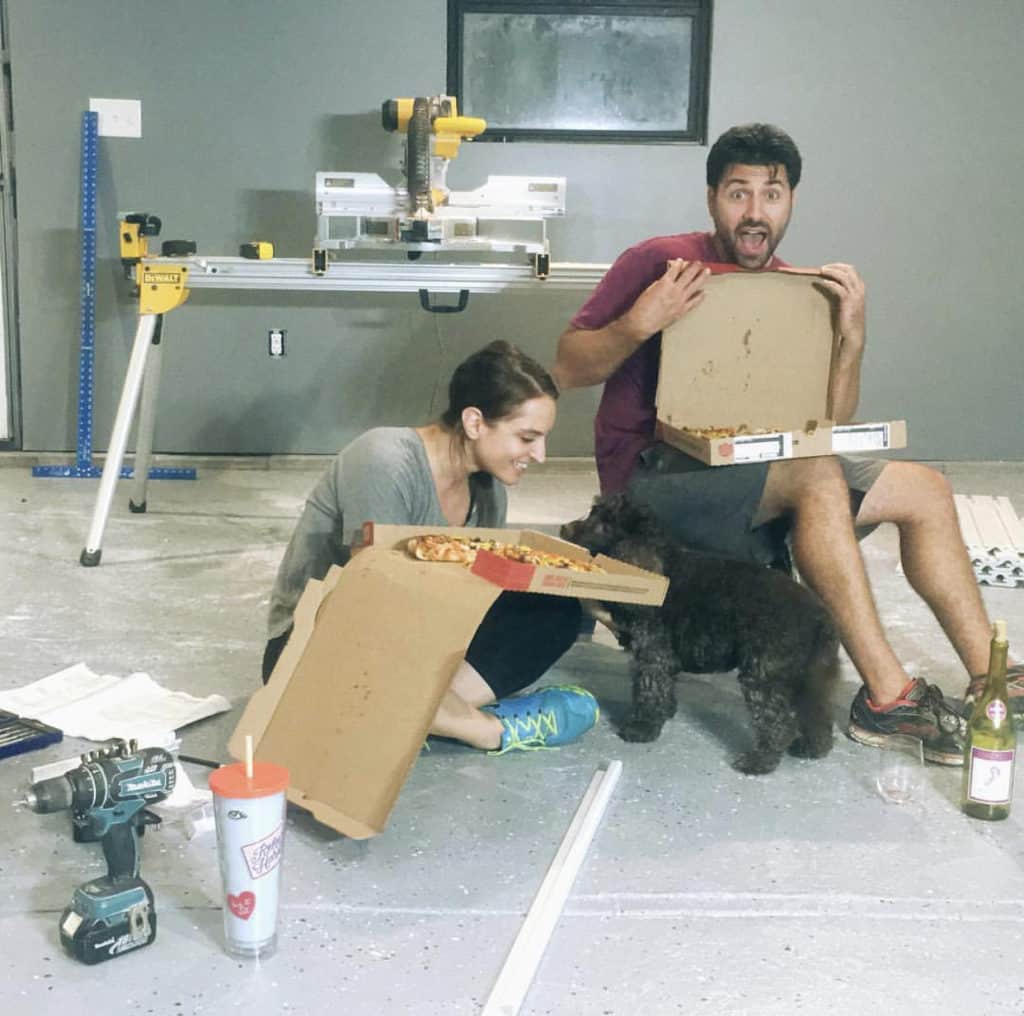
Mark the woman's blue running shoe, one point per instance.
(553, 716)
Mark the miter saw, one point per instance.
(506, 214)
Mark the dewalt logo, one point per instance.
(169, 278)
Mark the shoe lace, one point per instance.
(947, 718)
(529, 731)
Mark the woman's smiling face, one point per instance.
(506, 447)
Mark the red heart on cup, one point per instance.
(242, 905)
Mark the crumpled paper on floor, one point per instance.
(99, 706)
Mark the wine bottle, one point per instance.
(992, 741)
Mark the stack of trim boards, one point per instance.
(994, 538)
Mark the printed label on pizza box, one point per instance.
(821, 439)
(762, 447)
(549, 581)
(861, 437)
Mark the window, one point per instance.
(542, 70)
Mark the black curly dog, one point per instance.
(719, 615)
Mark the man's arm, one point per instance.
(590, 356)
(844, 282)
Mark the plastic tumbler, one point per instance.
(249, 813)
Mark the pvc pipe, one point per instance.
(517, 974)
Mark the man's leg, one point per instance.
(920, 502)
(814, 495)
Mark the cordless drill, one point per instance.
(108, 794)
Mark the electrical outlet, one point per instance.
(275, 342)
(118, 118)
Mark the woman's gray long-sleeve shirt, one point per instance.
(382, 476)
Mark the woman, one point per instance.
(501, 406)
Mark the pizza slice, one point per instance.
(463, 550)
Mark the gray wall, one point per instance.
(908, 115)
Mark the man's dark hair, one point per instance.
(754, 144)
(497, 380)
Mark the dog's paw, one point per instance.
(756, 763)
(640, 730)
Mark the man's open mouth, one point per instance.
(752, 242)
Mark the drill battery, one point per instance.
(107, 918)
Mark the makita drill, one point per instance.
(108, 794)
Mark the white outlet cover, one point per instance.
(119, 118)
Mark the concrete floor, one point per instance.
(705, 892)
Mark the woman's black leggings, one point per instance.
(520, 637)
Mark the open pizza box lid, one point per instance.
(756, 356)
(374, 647)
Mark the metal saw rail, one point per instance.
(165, 282)
(380, 276)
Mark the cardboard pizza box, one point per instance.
(373, 649)
(754, 359)
(618, 581)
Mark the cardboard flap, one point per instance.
(379, 648)
(338, 820)
(757, 351)
(261, 706)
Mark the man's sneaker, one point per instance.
(547, 718)
(921, 712)
(1014, 686)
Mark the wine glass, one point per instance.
(899, 773)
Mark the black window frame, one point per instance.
(700, 65)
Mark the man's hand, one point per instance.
(844, 282)
(666, 300)
(591, 356)
(847, 286)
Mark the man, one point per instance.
(824, 504)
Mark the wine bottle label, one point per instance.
(991, 777)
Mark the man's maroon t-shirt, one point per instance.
(624, 426)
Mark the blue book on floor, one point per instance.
(18, 735)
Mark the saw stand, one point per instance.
(162, 287)
(164, 282)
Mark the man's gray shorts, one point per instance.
(712, 508)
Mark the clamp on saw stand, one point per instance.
(359, 211)
(160, 287)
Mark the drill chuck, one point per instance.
(50, 795)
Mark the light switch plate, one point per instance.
(119, 118)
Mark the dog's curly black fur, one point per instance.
(719, 615)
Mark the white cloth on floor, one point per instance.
(96, 707)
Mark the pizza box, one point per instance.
(374, 647)
(619, 582)
(753, 360)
